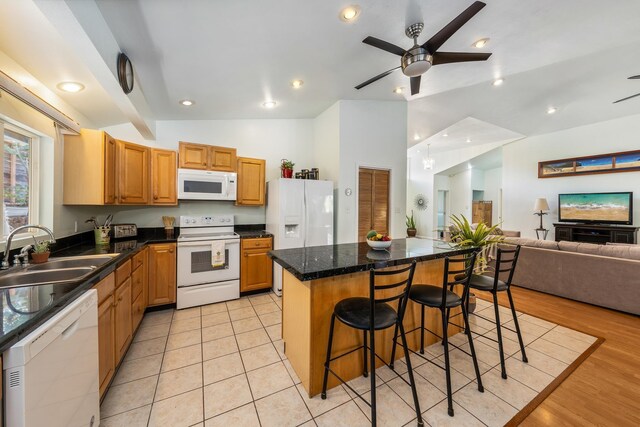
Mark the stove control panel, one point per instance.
(206, 221)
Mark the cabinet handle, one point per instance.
(155, 197)
(246, 254)
(204, 163)
(171, 251)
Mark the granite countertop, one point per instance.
(253, 234)
(24, 309)
(333, 260)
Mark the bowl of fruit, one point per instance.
(378, 241)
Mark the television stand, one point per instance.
(596, 233)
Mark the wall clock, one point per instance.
(125, 73)
(421, 202)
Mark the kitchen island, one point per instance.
(316, 278)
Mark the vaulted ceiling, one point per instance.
(231, 56)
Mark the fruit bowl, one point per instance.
(379, 245)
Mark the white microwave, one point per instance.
(206, 185)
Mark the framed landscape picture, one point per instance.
(627, 161)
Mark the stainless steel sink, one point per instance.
(30, 278)
(56, 270)
(93, 261)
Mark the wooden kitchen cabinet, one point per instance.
(193, 156)
(106, 331)
(206, 157)
(122, 303)
(251, 182)
(222, 159)
(163, 177)
(138, 288)
(133, 174)
(162, 274)
(256, 268)
(89, 168)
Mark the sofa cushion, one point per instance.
(545, 244)
(565, 245)
(533, 243)
(589, 248)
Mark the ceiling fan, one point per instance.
(419, 58)
(632, 96)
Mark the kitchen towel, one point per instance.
(217, 254)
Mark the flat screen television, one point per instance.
(596, 208)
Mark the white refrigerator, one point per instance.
(299, 214)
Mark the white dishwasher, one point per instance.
(51, 376)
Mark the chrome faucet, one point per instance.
(7, 250)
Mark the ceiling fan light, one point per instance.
(417, 68)
(350, 13)
(479, 44)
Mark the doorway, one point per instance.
(373, 201)
(442, 214)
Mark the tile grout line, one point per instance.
(158, 380)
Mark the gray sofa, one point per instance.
(603, 275)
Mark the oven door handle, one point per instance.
(206, 244)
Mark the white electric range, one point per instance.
(200, 283)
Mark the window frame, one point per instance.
(34, 179)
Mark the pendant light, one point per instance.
(428, 161)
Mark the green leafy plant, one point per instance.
(41, 246)
(482, 237)
(411, 222)
(287, 164)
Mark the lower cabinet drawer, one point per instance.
(137, 312)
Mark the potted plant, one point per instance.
(40, 252)
(482, 237)
(411, 225)
(286, 167)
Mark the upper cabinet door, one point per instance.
(133, 174)
(251, 184)
(109, 170)
(194, 156)
(222, 159)
(163, 177)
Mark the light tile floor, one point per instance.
(223, 365)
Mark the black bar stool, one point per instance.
(495, 285)
(444, 299)
(370, 315)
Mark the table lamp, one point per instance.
(542, 207)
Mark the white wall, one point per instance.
(521, 185)
(492, 186)
(372, 134)
(460, 194)
(271, 140)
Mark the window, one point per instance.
(19, 205)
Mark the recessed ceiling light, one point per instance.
(297, 84)
(269, 104)
(552, 110)
(468, 139)
(398, 90)
(70, 86)
(498, 81)
(445, 135)
(416, 137)
(417, 151)
(350, 13)
(469, 166)
(187, 102)
(481, 43)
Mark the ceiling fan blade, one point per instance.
(434, 43)
(378, 77)
(381, 44)
(628, 97)
(449, 57)
(634, 77)
(415, 85)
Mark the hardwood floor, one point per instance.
(605, 389)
